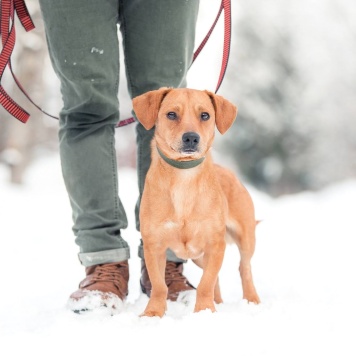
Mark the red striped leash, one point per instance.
(8, 9)
(7, 32)
(226, 6)
(8, 37)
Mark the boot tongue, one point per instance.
(89, 270)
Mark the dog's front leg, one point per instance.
(156, 263)
(217, 294)
(213, 258)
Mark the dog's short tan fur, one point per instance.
(192, 211)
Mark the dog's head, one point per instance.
(185, 119)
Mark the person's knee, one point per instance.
(86, 104)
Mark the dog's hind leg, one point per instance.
(246, 243)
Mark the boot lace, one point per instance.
(110, 273)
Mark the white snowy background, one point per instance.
(304, 267)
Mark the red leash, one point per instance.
(7, 31)
(226, 6)
(8, 36)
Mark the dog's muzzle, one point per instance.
(190, 142)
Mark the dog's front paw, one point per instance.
(155, 309)
(252, 298)
(251, 295)
(203, 306)
(152, 313)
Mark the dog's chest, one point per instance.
(183, 203)
(187, 195)
(191, 220)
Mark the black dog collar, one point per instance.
(181, 164)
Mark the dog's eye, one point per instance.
(204, 116)
(172, 115)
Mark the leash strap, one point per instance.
(226, 6)
(125, 122)
(227, 41)
(7, 31)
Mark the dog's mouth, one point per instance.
(184, 152)
(188, 151)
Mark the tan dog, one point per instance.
(189, 204)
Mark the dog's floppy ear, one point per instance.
(225, 112)
(146, 106)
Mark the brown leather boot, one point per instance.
(175, 280)
(105, 285)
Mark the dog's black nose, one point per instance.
(190, 141)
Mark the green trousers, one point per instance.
(82, 35)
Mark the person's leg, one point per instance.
(83, 45)
(158, 39)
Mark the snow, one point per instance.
(303, 268)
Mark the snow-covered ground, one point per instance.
(304, 269)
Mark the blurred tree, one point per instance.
(266, 140)
(291, 131)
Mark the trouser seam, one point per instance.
(124, 37)
(115, 177)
